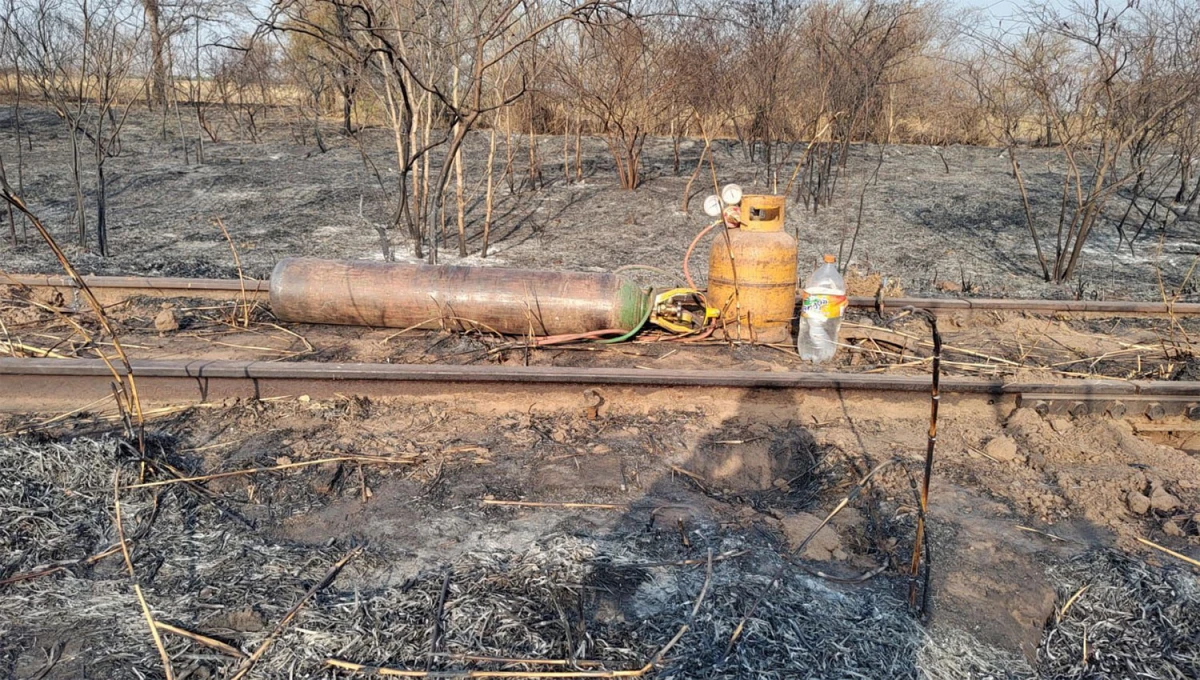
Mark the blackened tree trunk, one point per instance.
(346, 78)
(158, 62)
(77, 176)
(101, 206)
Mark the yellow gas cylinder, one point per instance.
(752, 273)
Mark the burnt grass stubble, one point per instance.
(585, 589)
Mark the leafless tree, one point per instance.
(243, 78)
(1113, 86)
(618, 81)
(79, 57)
(1006, 105)
(856, 47)
(412, 52)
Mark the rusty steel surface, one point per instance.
(116, 287)
(494, 299)
(113, 289)
(32, 384)
(1150, 405)
(950, 305)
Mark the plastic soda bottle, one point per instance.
(824, 300)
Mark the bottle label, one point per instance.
(823, 306)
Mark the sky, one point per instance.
(1001, 10)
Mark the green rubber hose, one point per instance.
(642, 323)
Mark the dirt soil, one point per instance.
(927, 230)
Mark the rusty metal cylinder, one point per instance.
(509, 301)
(752, 274)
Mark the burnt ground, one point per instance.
(1033, 521)
(926, 229)
(416, 484)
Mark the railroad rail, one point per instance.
(111, 289)
(33, 384)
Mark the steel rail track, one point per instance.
(116, 288)
(57, 381)
(110, 289)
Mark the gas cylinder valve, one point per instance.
(682, 310)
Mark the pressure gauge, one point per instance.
(731, 194)
(712, 206)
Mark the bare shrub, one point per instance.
(430, 63)
(243, 76)
(1112, 88)
(619, 85)
(79, 56)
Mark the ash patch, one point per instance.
(48, 503)
(1189, 369)
(195, 564)
(806, 629)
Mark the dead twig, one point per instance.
(120, 415)
(981, 452)
(54, 569)
(219, 445)
(202, 639)
(168, 670)
(308, 348)
(582, 663)
(1172, 553)
(17, 349)
(272, 468)
(54, 419)
(688, 473)
(861, 578)
(1066, 607)
(680, 563)
(461, 320)
(237, 262)
(566, 506)
(385, 671)
(1047, 534)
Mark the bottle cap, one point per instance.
(830, 259)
